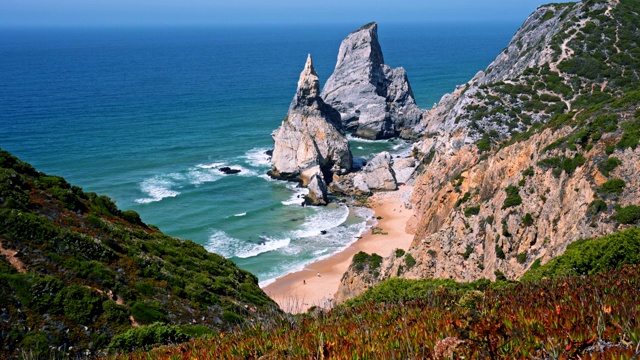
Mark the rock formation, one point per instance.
(374, 100)
(376, 175)
(309, 146)
(513, 167)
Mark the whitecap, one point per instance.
(268, 244)
(350, 137)
(158, 188)
(298, 196)
(258, 158)
(240, 214)
(223, 244)
(323, 219)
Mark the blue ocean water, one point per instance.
(147, 115)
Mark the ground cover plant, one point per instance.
(558, 313)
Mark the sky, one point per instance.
(222, 12)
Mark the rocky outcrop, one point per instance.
(309, 146)
(376, 175)
(374, 100)
(513, 165)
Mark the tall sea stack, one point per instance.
(374, 100)
(310, 146)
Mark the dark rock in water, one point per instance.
(323, 232)
(269, 152)
(227, 170)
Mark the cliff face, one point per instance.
(309, 146)
(535, 152)
(374, 100)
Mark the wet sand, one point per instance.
(298, 291)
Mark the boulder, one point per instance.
(377, 175)
(374, 100)
(310, 146)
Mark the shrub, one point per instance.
(145, 337)
(147, 313)
(463, 199)
(613, 186)
(472, 210)
(409, 261)
(467, 252)
(596, 207)
(608, 165)
(628, 214)
(363, 260)
(522, 258)
(592, 256)
(499, 252)
(490, 219)
(527, 220)
(471, 299)
(499, 275)
(231, 317)
(513, 197)
(399, 253)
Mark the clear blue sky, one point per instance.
(212, 12)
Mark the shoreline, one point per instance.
(318, 282)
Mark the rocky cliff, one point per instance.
(535, 152)
(374, 100)
(309, 146)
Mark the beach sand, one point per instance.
(318, 282)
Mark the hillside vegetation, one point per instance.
(592, 314)
(76, 271)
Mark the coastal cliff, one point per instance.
(309, 146)
(374, 100)
(533, 153)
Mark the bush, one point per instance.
(472, 210)
(513, 197)
(522, 258)
(608, 165)
(147, 313)
(362, 260)
(145, 337)
(527, 220)
(592, 256)
(613, 186)
(467, 252)
(596, 207)
(399, 252)
(409, 261)
(499, 252)
(628, 214)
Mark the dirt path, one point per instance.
(13, 259)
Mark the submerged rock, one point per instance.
(374, 100)
(309, 146)
(227, 170)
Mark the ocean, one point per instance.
(146, 116)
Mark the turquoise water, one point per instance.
(146, 116)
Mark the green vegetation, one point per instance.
(628, 214)
(472, 210)
(467, 252)
(613, 186)
(596, 207)
(592, 256)
(82, 254)
(363, 261)
(513, 197)
(527, 220)
(609, 165)
(146, 337)
(500, 252)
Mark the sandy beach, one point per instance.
(297, 292)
